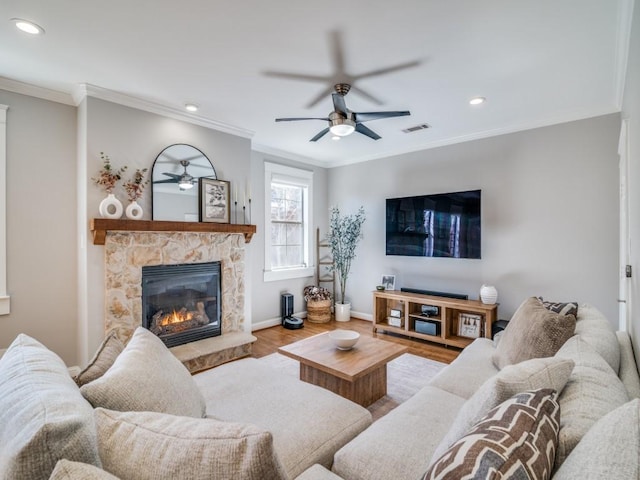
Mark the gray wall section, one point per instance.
(41, 223)
(549, 215)
(631, 112)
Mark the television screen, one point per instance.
(440, 225)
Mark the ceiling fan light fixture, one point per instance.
(185, 184)
(341, 127)
(477, 101)
(27, 26)
(191, 107)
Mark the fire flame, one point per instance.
(175, 317)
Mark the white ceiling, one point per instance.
(538, 62)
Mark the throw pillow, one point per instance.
(533, 332)
(146, 376)
(155, 446)
(43, 417)
(67, 470)
(593, 390)
(517, 439)
(609, 449)
(534, 374)
(566, 308)
(107, 353)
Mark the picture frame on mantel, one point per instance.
(214, 200)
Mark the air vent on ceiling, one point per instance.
(422, 126)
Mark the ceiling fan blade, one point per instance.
(367, 131)
(172, 175)
(294, 119)
(366, 116)
(366, 95)
(173, 180)
(320, 135)
(339, 104)
(321, 96)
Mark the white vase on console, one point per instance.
(488, 294)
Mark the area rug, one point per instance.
(405, 376)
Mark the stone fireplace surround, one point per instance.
(126, 252)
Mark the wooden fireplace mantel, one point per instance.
(100, 227)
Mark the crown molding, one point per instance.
(85, 90)
(22, 88)
(258, 147)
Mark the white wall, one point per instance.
(265, 298)
(631, 112)
(549, 215)
(41, 223)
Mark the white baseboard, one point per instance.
(362, 316)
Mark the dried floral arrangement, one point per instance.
(108, 177)
(135, 186)
(313, 293)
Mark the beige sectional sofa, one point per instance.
(145, 417)
(598, 434)
(140, 415)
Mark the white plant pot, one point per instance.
(110, 207)
(343, 312)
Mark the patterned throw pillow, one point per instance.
(517, 439)
(567, 308)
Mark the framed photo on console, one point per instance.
(214, 198)
(469, 325)
(389, 282)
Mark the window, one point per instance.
(288, 222)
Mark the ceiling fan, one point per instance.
(184, 181)
(342, 121)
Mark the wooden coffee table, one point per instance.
(359, 374)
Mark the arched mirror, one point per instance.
(174, 177)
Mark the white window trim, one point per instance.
(5, 300)
(295, 176)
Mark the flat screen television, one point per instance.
(439, 225)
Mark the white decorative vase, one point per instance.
(343, 312)
(133, 211)
(110, 207)
(488, 294)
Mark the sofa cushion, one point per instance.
(157, 446)
(308, 423)
(43, 417)
(107, 353)
(595, 329)
(469, 370)
(400, 444)
(515, 440)
(146, 377)
(533, 374)
(593, 390)
(533, 332)
(68, 470)
(609, 449)
(628, 372)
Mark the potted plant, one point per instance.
(344, 233)
(318, 304)
(134, 189)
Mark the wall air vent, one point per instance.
(422, 126)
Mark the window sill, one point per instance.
(288, 274)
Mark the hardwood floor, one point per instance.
(270, 339)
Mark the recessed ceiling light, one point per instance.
(477, 101)
(27, 26)
(191, 107)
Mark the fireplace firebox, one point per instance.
(181, 303)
